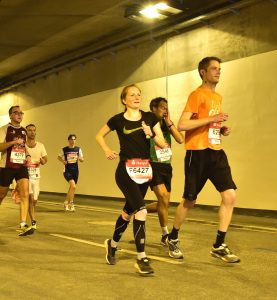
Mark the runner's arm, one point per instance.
(4, 146)
(81, 156)
(43, 160)
(186, 123)
(61, 159)
(178, 136)
(100, 138)
(159, 138)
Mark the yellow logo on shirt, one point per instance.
(128, 131)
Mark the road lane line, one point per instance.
(153, 257)
(199, 221)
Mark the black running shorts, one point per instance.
(7, 175)
(162, 174)
(201, 165)
(71, 175)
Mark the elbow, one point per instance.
(182, 127)
(180, 141)
(97, 137)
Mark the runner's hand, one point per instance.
(222, 117)
(110, 154)
(18, 141)
(147, 130)
(224, 130)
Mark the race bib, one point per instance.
(18, 155)
(72, 157)
(214, 134)
(139, 170)
(163, 154)
(34, 171)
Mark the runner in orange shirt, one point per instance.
(205, 159)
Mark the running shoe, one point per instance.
(71, 206)
(173, 248)
(66, 206)
(224, 253)
(163, 240)
(25, 230)
(110, 252)
(34, 224)
(143, 266)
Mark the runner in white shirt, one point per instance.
(38, 157)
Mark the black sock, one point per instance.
(120, 227)
(173, 234)
(139, 234)
(219, 238)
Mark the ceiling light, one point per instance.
(150, 12)
(158, 11)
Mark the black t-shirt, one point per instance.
(132, 139)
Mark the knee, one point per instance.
(164, 199)
(72, 186)
(189, 204)
(125, 216)
(24, 195)
(229, 197)
(141, 215)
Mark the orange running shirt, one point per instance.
(202, 103)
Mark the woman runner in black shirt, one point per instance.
(134, 128)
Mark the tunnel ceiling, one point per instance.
(39, 36)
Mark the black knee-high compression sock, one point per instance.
(220, 237)
(139, 234)
(120, 227)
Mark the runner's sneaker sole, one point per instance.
(149, 272)
(29, 231)
(224, 253)
(224, 259)
(109, 262)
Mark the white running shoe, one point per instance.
(66, 206)
(71, 207)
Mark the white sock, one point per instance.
(141, 255)
(114, 244)
(23, 223)
(164, 230)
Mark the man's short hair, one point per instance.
(71, 136)
(205, 62)
(30, 125)
(11, 109)
(156, 101)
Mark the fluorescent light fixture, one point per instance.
(158, 11)
(150, 12)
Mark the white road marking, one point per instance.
(102, 223)
(199, 221)
(167, 260)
